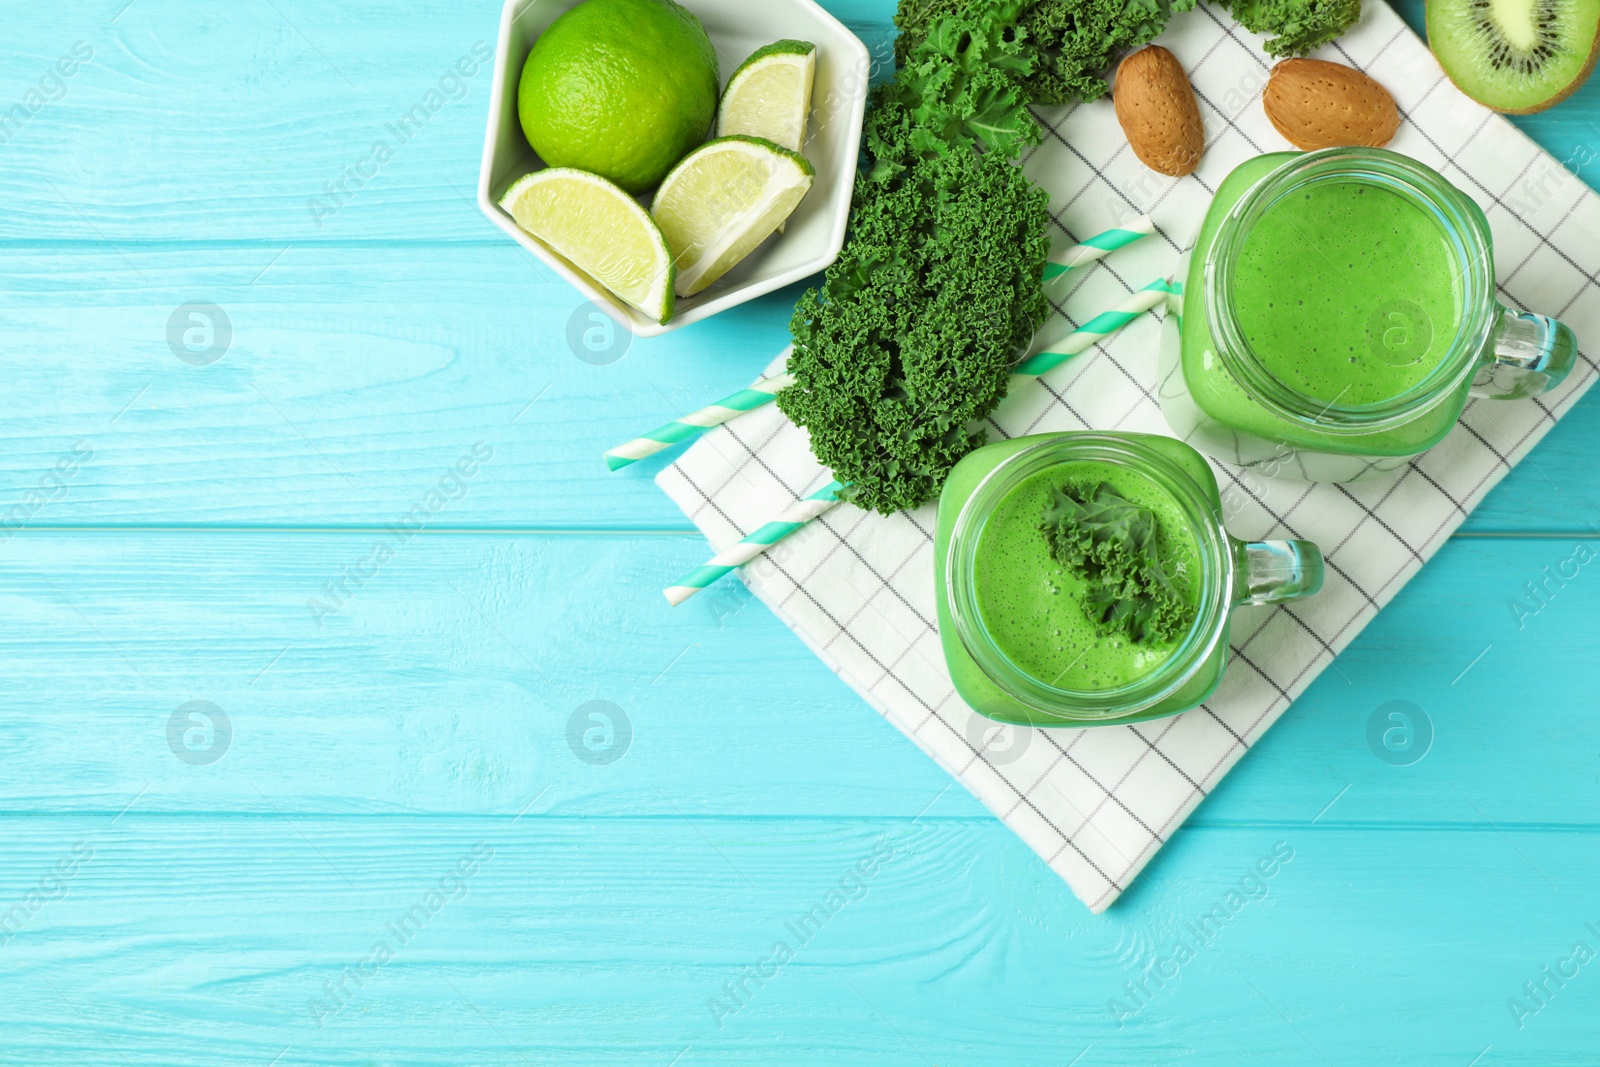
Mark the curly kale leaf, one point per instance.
(1296, 26)
(912, 336)
(910, 339)
(962, 85)
(1111, 544)
(1075, 40)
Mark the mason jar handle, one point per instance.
(1532, 355)
(1271, 571)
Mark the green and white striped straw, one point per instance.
(794, 517)
(697, 422)
(761, 394)
(1098, 247)
(1096, 329)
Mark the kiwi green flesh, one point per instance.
(1515, 55)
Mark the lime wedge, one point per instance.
(770, 95)
(599, 228)
(724, 199)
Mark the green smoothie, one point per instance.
(1086, 578)
(1031, 605)
(1349, 293)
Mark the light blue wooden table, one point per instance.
(194, 518)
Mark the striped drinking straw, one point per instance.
(697, 422)
(752, 545)
(1098, 247)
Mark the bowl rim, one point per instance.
(853, 110)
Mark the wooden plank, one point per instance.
(354, 375)
(351, 379)
(447, 680)
(182, 940)
(456, 674)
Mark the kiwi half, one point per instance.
(1515, 55)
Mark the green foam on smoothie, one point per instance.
(1348, 292)
(1032, 606)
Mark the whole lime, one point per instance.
(621, 88)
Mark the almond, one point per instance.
(1315, 104)
(1156, 106)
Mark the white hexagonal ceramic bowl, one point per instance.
(815, 232)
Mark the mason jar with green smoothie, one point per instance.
(1087, 579)
(1337, 311)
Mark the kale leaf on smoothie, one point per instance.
(1112, 544)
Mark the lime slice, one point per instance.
(726, 197)
(770, 95)
(601, 229)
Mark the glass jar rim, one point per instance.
(1458, 218)
(1191, 653)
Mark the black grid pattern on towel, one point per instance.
(1097, 804)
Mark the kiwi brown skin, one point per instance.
(1572, 86)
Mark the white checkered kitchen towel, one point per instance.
(858, 588)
